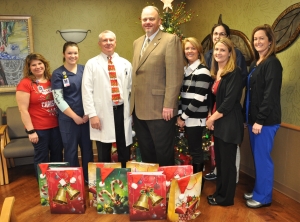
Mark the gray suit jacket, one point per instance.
(156, 76)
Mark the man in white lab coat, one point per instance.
(110, 120)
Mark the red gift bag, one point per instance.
(147, 195)
(66, 190)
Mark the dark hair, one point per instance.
(227, 29)
(35, 56)
(271, 37)
(66, 45)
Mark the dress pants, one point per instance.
(104, 149)
(72, 136)
(194, 135)
(262, 145)
(156, 140)
(50, 143)
(226, 181)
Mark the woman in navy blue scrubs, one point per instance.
(263, 112)
(73, 124)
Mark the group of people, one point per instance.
(98, 100)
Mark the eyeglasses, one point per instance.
(220, 34)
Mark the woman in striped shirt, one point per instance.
(193, 108)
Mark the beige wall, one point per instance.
(285, 156)
(244, 16)
(120, 16)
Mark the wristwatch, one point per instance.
(30, 131)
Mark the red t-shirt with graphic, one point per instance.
(42, 109)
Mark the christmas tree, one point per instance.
(172, 20)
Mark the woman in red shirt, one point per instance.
(38, 110)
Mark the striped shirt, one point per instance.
(193, 105)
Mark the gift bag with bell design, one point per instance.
(92, 179)
(147, 196)
(42, 178)
(184, 198)
(66, 190)
(175, 172)
(142, 167)
(112, 190)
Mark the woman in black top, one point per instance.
(263, 112)
(226, 120)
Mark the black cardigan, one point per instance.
(230, 127)
(264, 90)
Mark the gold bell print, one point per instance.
(73, 193)
(155, 199)
(61, 196)
(142, 203)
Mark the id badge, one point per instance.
(66, 82)
(40, 89)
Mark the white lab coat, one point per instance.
(96, 96)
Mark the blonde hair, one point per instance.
(105, 32)
(35, 56)
(195, 43)
(271, 37)
(231, 63)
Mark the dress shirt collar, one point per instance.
(152, 36)
(189, 69)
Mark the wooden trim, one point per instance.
(290, 126)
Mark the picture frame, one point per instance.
(16, 42)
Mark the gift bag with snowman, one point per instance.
(184, 198)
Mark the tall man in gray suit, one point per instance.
(156, 80)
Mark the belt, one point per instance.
(117, 107)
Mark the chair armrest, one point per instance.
(7, 212)
(2, 129)
(4, 137)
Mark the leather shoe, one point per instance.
(212, 202)
(255, 204)
(210, 197)
(248, 196)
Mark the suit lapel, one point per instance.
(153, 44)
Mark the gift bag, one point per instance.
(112, 190)
(92, 179)
(66, 190)
(184, 198)
(42, 179)
(147, 195)
(142, 167)
(175, 172)
(114, 153)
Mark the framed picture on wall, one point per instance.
(16, 42)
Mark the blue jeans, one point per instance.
(50, 143)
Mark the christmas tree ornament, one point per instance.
(167, 4)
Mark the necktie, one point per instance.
(145, 46)
(115, 93)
